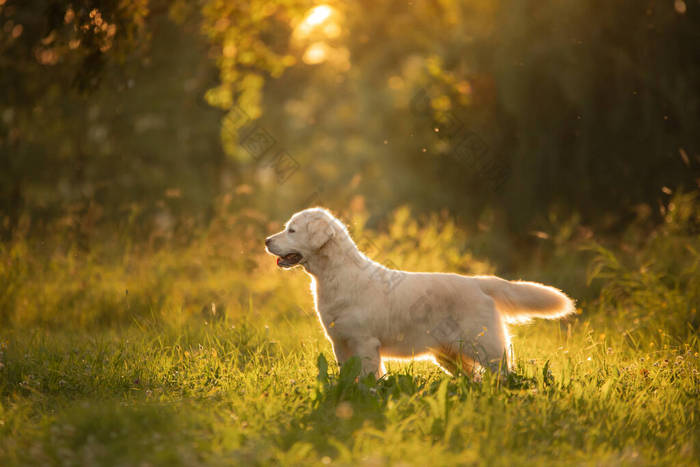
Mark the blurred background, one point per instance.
(532, 131)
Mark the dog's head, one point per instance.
(306, 232)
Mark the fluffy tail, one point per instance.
(519, 302)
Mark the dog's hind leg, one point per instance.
(486, 340)
(455, 362)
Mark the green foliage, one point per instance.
(654, 283)
(211, 275)
(74, 40)
(526, 107)
(250, 40)
(410, 243)
(136, 154)
(185, 394)
(469, 105)
(88, 376)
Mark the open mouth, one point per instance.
(287, 261)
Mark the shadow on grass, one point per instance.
(345, 403)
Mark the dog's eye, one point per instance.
(292, 230)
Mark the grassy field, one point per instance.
(198, 354)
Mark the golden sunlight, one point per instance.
(316, 17)
(316, 53)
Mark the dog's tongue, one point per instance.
(279, 258)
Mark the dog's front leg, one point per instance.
(341, 351)
(368, 351)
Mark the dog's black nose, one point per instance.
(267, 242)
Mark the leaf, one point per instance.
(605, 388)
(350, 370)
(322, 365)
(442, 398)
(547, 378)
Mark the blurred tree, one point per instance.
(520, 105)
(48, 49)
(102, 116)
(517, 106)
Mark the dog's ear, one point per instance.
(320, 232)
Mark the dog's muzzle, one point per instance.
(287, 261)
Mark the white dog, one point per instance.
(376, 313)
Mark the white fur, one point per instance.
(376, 313)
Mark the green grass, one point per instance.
(225, 394)
(92, 375)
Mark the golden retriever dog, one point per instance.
(377, 313)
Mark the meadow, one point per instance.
(148, 147)
(201, 352)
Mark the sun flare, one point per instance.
(317, 17)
